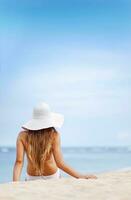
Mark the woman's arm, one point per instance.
(60, 161)
(19, 158)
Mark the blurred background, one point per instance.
(76, 56)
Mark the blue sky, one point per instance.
(75, 55)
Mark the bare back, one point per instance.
(49, 165)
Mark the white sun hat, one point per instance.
(43, 118)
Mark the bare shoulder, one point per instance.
(22, 135)
(57, 135)
(56, 142)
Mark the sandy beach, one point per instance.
(112, 186)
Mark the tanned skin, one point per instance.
(51, 164)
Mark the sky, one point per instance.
(76, 56)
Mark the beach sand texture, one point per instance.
(108, 186)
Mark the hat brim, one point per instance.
(37, 124)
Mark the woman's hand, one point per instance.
(88, 176)
(60, 161)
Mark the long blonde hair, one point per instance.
(39, 146)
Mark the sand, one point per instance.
(108, 186)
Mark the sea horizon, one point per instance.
(93, 159)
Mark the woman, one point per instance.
(41, 143)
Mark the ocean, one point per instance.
(84, 159)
